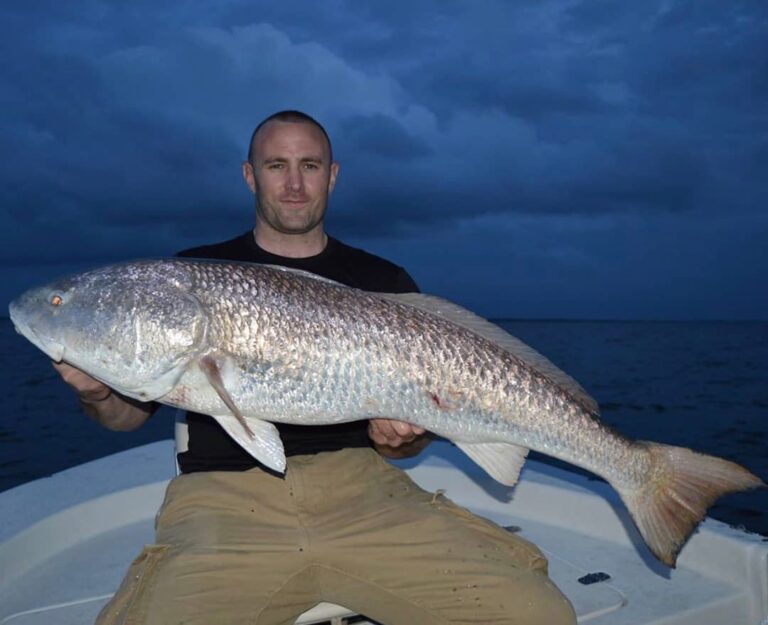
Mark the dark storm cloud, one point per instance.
(635, 173)
(527, 96)
(379, 135)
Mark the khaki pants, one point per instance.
(344, 527)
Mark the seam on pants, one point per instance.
(268, 603)
(384, 590)
(297, 487)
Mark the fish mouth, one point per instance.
(53, 349)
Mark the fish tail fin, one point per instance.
(681, 485)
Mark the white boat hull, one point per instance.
(66, 541)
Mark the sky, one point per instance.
(577, 159)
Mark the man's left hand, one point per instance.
(397, 439)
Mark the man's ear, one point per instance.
(334, 173)
(249, 176)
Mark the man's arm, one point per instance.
(105, 406)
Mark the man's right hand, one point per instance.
(105, 406)
(89, 389)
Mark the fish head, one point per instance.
(133, 326)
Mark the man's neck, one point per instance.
(291, 245)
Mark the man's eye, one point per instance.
(311, 166)
(276, 166)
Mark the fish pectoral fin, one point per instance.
(259, 438)
(264, 444)
(212, 366)
(502, 461)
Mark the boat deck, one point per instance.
(67, 540)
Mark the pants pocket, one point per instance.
(128, 605)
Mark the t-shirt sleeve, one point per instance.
(195, 252)
(404, 283)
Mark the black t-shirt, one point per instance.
(210, 447)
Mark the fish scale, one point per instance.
(254, 344)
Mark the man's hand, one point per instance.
(102, 404)
(89, 389)
(397, 439)
(391, 432)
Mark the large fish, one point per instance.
(251, 344)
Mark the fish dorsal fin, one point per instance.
(305, 274)
(466, 319)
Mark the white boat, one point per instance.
(66, 541)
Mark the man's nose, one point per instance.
(294, 180)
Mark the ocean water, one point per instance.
(702, 385)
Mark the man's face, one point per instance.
(291, 175)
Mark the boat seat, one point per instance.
(322, 612)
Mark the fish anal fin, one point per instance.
(211, 366)
(502, 461)
(263, 443)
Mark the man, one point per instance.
(239, 544)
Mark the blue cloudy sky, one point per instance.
(533, 158)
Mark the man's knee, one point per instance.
(540, 602)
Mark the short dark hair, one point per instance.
(291, 117)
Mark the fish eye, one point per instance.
(56, 300)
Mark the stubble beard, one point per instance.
(302, 224)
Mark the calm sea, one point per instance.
(701, 385)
